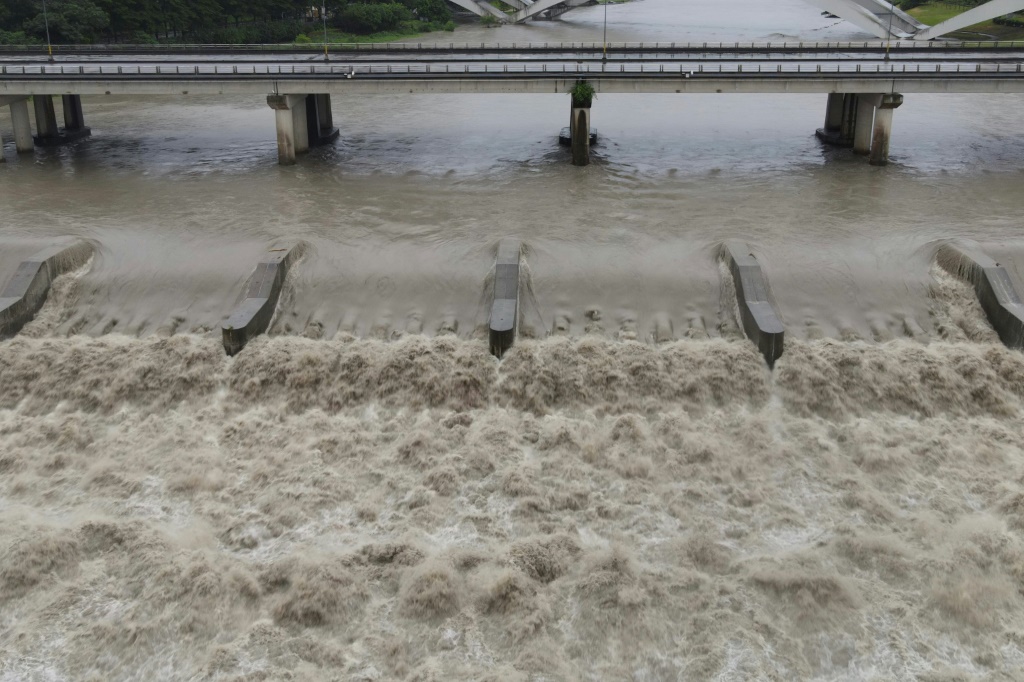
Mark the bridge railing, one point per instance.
(317, 48)
(694, 70)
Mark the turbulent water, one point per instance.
(630, 494)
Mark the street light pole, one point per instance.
(323, 15)
(46, 20)
(605, 56)
(888, 38)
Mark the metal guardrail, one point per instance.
(88, 72)
(497, 47)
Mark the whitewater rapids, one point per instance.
(585, 509)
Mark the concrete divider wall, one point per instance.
(992, 283)
(253, 316)
(504, 317)
(26, 292)
(760, 318)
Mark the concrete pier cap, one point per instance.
(759, 316)
(995, 289)
(26, 292)
(255, 312)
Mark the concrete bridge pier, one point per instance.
(579, 131)
(320, 120)
(47, 132)
(862, 127)
(840, 120)
(22, 127)
(883, 129)
(834, 112)
(46, 120)
(292, 126)
(863, 121)
(74, 119)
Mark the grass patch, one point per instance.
(932, 13)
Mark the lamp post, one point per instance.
(323, 15)
(46, 20)
(605, 55)
(888, 37)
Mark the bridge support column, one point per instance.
(46, 120)
(883, 129)
(580, 133)
(22, 127)
(864, 123)
(320, 120)
(834, 112)
(840, 117)
(292, 126)
(47, 132)
(74, 119)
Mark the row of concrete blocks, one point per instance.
(26, 293)
(48, 134)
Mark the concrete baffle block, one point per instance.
(254, 314)
(27, 290)
(760, 318)
(992, 284)
(504, 320)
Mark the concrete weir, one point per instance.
(504, 319)
(759, 316)
(26, 292)
(253, 315)
(993, 286)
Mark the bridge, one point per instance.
(864, 81)
(524, 9)
(885, 20)
(878, 17)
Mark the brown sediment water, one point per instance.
(585, 509)
(630, 494)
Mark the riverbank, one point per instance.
(933, 13)
(334, 36)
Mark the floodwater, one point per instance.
(365, 494)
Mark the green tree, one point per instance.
(70, 21)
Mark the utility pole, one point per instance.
(46, 20)
(323, 15)
(605, 56)
(888, 37)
